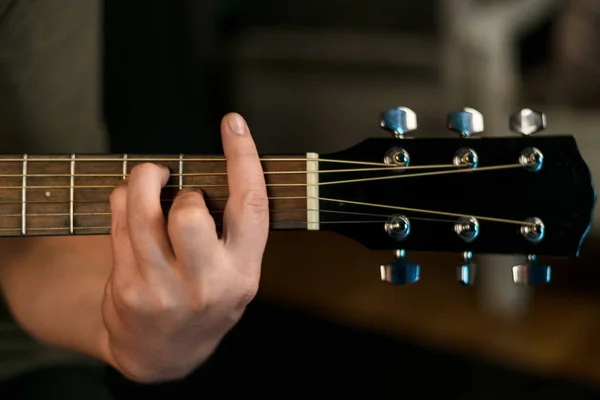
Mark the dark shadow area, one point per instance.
(281, 352)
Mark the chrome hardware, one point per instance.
(399, 121)
(400, 271)
(531, 273)
(398, 157)
(527, 122)
(397, 227)
(467, 229)
(534, 233)
(466, 158)
(532, 159)
(466, 271)
(467, 122)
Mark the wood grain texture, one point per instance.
(61, 196)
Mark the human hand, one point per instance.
(176, 287)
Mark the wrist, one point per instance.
(147, 367)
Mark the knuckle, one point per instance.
(248, 291)
(164, 302)
(257, 202)
(157, 301)
(129, 296)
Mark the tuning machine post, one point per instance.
(399, 121)
(466, 271)
(531, 273)
(400, 271)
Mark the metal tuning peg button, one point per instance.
(466, 271)
(532, 273)
(400, 271)
(399, 121)
(527, 122)
(466, 122)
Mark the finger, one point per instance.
(123, 256)
(247, 211)
(145, 218)
(192, 229)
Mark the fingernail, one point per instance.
(237, 124)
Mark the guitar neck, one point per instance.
(69, 194)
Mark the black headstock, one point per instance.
(530, 195)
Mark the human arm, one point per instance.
(54, 288)
(156, 297)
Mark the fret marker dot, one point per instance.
(48, 194)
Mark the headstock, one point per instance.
(525, 194)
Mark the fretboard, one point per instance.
(69, 194)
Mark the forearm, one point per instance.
(54, 288)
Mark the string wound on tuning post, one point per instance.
(467, 228)
(534, 230)
(531, 159)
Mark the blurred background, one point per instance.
(314, 75)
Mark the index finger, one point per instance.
(246, 216)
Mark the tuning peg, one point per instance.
(531, 273)
(527, 121)
(466, 271)
(400, 271)
(467, 122)
(399, 121)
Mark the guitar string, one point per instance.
(369, 179)
(192, 174)
(416, 210)
(347, 181)
(280, 225)
(290, 210)
(203, 159)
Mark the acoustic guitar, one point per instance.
(526, 194)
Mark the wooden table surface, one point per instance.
(339, 279)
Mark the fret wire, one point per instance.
(180, 171)
(124, 166)
(72, 193)
(24, 198)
